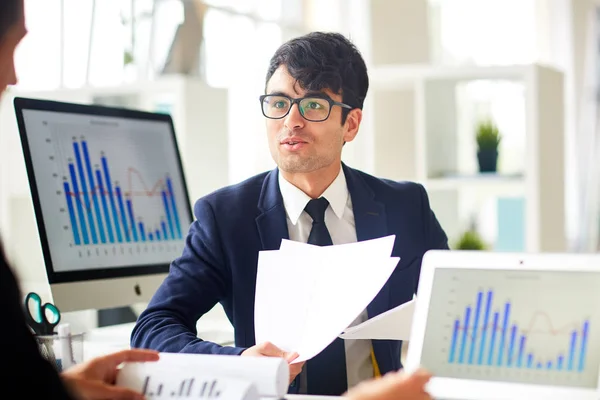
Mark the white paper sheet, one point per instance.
(239, 378)
(306, 295)
(160, 382)
(380, 246)
(394, 324)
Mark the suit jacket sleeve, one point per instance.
(435, 237)
(26, 371)
(196, 282)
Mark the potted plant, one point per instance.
(470, 240)
(488, 139)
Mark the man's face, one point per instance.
(8, 44)
(298, 145)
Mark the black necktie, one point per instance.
(325, 373)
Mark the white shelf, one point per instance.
(419, 126)
(393, 77)
(498, 184)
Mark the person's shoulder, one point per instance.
(389, 186)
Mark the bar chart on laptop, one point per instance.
(112, 190)
(520, 326)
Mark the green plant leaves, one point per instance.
(488, 136)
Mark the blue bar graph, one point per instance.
(463, 344)
(493, 339)
(584, 338)
(485, 327)
(122, 211)
(503, 334)
(90, 173)
(102, 211)
(72, 217)
(454, 338)
(168, 213)
(131, 219)
(164, 230)
(78, 204)
(84, 189)
(475, 326)
(572, 350)
(511, 345)
(521, 351)
(174, 207)
(142, 231)
(474, 331)
(103, 196)
(559, 363)
(111, 198)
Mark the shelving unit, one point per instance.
(418, 125)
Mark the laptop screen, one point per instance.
(529, 327)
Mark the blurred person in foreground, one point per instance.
(22, 360)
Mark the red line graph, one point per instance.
(531, 327)
(155, 190)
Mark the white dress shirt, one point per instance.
(339, 219)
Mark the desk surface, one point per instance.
(109, 339)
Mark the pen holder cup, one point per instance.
(61, 351)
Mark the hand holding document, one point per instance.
(307, 295)
(202, 376)
(394, 324)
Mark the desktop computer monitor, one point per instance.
(110, 200)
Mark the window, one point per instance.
(109, 42)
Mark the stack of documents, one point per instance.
(307, 295)
(394, 324)
(204, 376)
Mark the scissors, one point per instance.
(37, 315)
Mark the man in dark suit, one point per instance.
(315, 89)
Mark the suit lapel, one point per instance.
(271, 223)
(371, 223)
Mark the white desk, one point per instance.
(213, 327)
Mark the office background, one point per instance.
(438, 68)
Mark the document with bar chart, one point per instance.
(111, 190)
(538, 327)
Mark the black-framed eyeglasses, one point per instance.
(312, 108)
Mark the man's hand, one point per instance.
(268, 349)
(95, 379)
(393, 386)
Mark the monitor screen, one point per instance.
(108, 189)
(519, 326)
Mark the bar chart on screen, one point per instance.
(101, 211)
(494, 328)
(485, 337)
(114, 191)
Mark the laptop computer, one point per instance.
(492, 326)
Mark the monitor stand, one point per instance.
(116, 316)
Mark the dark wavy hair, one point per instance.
(321, 60)
(10, 13)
